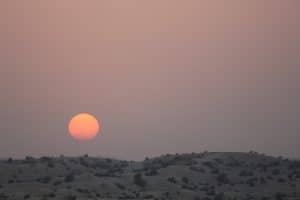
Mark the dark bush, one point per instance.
(275, 171)
(219, 196)
(246, 173)
(151, 172)
(185, 180)
(50, 164)
(52, 195)
(172, 179)
(197, 169)
(120, 186)
(44, 180)
(223, 178)
(209, 164)
(56, 183)
(148, 196)
(69, 178)
(215, 171)
(138, 180)
(71, 197)
(280, 196)
(9, 160)
(251, 182)
(281, 180)
(263, 180)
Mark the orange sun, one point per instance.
(84, 127)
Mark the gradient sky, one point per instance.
(161, 76)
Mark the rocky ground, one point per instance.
(196, 176)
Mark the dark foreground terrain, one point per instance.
(196, 176)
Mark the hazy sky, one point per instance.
(161, 76)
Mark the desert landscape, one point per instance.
(195, 176)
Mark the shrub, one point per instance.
(45, 179)
(281, 180)
(219, 196)
(223, 178)
(280, 196)
(50, 164)
(120, 186)
(151, 172)
(52, 195)
(263, 180)
(209, 164)
(197, 169)
(69, 178)
(138, 180)
(56, 183)
(172, 179)
(9, 160)
(71, 197)
(276, 172)
(246, 173)
(185, 180)
(251, 182)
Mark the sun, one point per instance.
(84, 127)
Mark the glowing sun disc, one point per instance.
(84, 127)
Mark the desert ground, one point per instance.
(195, 176)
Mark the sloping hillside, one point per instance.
(207, 176)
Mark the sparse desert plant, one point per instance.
(223, 178)
(265, 198)
(151, 172)
(26, 196)
(276, 172)
(50, 164)
(71, 197)
(44, 180)
(172, 179)
(246, 173)
(281, 180)
(9, 160)
(219, 196)
(82, 190)
(56, 183)
(83, 161)
(280, 196)
(10, 181)
(209, 164)
(139, 180)
(197, 169)
(219, 161)
(251, 182)
(215, 171)
(120, 186)
(189, 187)
(263, 180)
(69, 178)
(185, 180)
(52, 195)
(148, 196)
(45, 159)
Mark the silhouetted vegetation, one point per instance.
(139, 180)
(69, 178)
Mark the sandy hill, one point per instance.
(195, 176)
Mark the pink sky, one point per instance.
(161, 76)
